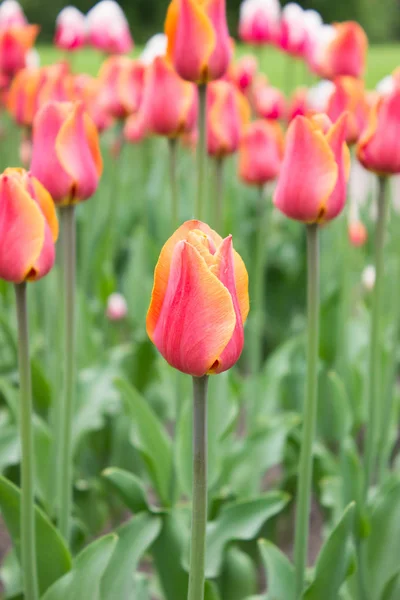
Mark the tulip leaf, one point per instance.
(239, 521)
(280, 572)
(130, 489)
(335, 562)
(392, 588)
(239, 576)
(383, 543)
(133, 540)
(150, 438)
(83, 581)
(211, 591)
(53, 557)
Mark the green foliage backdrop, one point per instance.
(381, 18)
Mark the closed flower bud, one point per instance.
(228, 113)
(261, 152)
(117, 307)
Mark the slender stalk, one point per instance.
(67, 215)
(28, 537)
(219, 193)
(309, 412)
(373, 428)
(201, 154)
(258, 283)
(173, 178)
(199, 502)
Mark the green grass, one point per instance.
(382, 60)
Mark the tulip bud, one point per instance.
(378, 149)
(11, 14)
(292, 32)
(199, 302)
(108, 29)
(346, 53)
(357, 233)
(66, 154)
(205, 53)
(269, 102)
(15, 44)
(315, 170)
(242, 72)
(117, 308)
(28, 227)
(156, 46)
(70, 29)
(228, 112)
(121, 86)
(349, 95)
(261, 152)
(259, 21)
(298, 105)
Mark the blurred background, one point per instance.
(380, 18)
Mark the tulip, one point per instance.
(175, 110)
(315, 169)
(28, 227)
(15, 44)
(242, 72)
(88, 89)
(66, 156)
(199, 302)
(70, 29)
(205, 53)
(292, 34)
(298, 105)
(121, 79)
(357, 233)
(23, 96)
(346, 53)
(108, 29)
(349, 95)
(316, 48)
(259, 21)
(117, 307)
(312, 23)
(11, 14)
(228, 112)
(378, 149)
(156, 46)
(269, 102)
(261, 152)
(319, 95)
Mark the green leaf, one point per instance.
(53, 557)
(383, 543)
(83, 581)
(150, 438)
(133, 540)
(392, 589)
(280, 572)
(239, 576)
(130, 489)
(239, 521)
(211, 591)
(335, 561)
(9, 446)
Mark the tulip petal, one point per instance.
(223, 48)
(224, 269)
(45, 201)
(336, 139)
(194, 296)
(309, 173)
(77, 147)
(22, 232)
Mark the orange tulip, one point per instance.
(28, 227)
(198, 40)
(121, 79)
(347, 52)
(261, 152)
(199, 302)
(66, 155)
(349, 95)
(378, 148)
(172, 112)
(15, 43)
(228, 112)
(22, 99)
(315, 170)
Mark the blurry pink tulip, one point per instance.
(298, 104)
(70, 29)
(227, 113)
(269, 102)
(242, 72)
(345, 52)
(122, 81)
(312, 23)
(292, 33)
(15, 43)
(135, 128)
(357, 233)
(11, 14)
(155, 46)
(117, 307)
(261, 152)
(108, 29)
(259, 21)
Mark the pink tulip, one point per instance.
(259, 21)
(292, 33)
(269, 102)
(227, 114)
(11, 14)
(242, 72)
(70, 29)
(108, 29)
(117, 307)
(261, 152)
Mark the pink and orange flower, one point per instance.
(228, 113)
(261, 152)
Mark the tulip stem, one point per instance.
(199, 501)
(67, 218)
(219, 162)
(173, 177)
(309, 412)
(201, 153)
(375, 373)
(28, 536)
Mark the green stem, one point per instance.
(219, 193)
(373, 428)
(258, 283)
(309, 412)
(67, 215)
(173, 178)
(28, 537)
(201, 153)
(199, 502)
